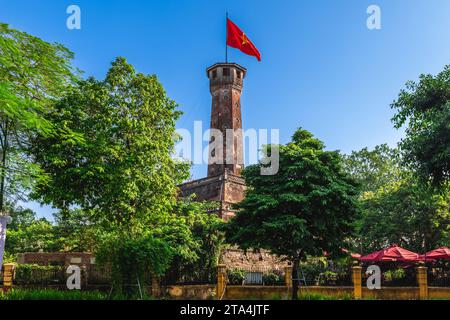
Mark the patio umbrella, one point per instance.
(439, 253)
(393, 253)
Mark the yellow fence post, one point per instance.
(8, 276)
(422, 281)
(288, 278)
(221, 281)
(357, 281)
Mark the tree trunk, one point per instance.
(295, 278)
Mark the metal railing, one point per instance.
(256, 276)
(40, 276)
(439, 277)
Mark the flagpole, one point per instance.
(226, 38)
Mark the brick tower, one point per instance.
(223, 182)
(225, 83)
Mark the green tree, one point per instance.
(424, 108)
(120, 165)
(305, 209)
(111, 156)
(407, 213)
(397, 207)
(33, 73)
(26, 233)
(373, 169)
(194, 234)
(131, 257)
(21, 217)
(74, 230)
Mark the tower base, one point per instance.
(226, 189)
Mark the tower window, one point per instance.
(214, 74)
(238, 74)
(226, 72)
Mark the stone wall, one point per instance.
(235, 258)
(194, 292)
(283, 292)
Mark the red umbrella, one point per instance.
(439, 253)
(393, 253)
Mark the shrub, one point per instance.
(36, 274)
(327, 277)
(131, 258)
(273, 279)
(395, 274)
(236, 276)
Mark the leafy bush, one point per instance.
(131, 258)
(327, 277)
(395, 274)
(36, 274)
(273, 279)
(236, 276)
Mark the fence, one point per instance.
(98, 276)
(198, 276)
(256, 276)
(414, 283)
(333, 279)
(38, 276)
(94, 277)
(439, 277)
(394, 275)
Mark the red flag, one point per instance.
(237, 39)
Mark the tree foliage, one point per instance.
(374, 169)
(112, 153)
(26, 233)
(197, 240)
(307, 208)
(396, 206)
(33, 73)
(424, 108)
(74, 230)
(406, 213)
(131, 256)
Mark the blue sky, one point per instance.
(321, 67)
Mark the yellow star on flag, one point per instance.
(244, 39)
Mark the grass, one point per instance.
(52, 294)
(312, 296)
(316, 296)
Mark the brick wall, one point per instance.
(56, 258)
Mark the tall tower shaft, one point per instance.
(223, 183)
(226, 82)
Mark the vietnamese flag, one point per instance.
(237, 39)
